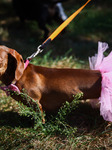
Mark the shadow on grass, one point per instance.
(84, 118)
(13, 119)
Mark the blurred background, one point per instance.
(71, 49)
(80, 38)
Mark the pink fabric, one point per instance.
(10, 87)
(99, 62)
(13, 87)
(26, 63)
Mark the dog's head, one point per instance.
(11, 65)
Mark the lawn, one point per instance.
(77, 125)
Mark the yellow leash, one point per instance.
(64, 24)
(57, 31)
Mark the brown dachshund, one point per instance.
(49, 87)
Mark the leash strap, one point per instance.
(56, 32)
(66, 22)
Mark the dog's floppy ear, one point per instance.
(19, 64)
(9, 74)
(11, 65)
(19, 69)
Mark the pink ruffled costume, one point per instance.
(104, 65)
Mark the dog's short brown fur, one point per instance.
(50, 87)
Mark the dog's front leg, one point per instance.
(28, 101)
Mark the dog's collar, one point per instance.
(26, 63)
(11, 87)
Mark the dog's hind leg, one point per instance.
(77, 93)
(41, 111)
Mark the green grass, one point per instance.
(72, 127)
(79, 127)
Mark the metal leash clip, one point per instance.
(39, 50)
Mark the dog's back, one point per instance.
(52, 86)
